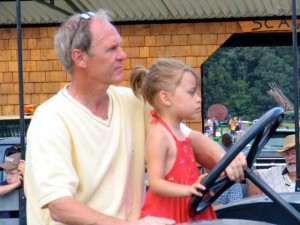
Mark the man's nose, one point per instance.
(122, 54)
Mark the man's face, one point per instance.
(12, 176)
(290, 159)
(105, 60)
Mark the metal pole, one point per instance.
(22, 200)
(296, 90)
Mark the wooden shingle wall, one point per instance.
(43, 74)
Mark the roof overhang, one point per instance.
(35, 12)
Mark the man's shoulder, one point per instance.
(272, 170)
(125, 95)
(120, 91)
(52, 105)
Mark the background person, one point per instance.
(226, 141)
(235, 192)
(241, 129)
(85, 145)
(280, 178)
(215, 126)
(232, 194)
(13, 175)
(207, 130)
(233, 126)
(17, 149)
(172, 89)
(13, 180)
(210, 124)
(241, 125)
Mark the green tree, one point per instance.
(239, 79)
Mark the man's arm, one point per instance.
(208, 153)
(68, 210)
(252, 188)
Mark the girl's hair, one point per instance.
(75, 33)
(165, 74)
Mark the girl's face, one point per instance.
(12, 176)
(186, 101)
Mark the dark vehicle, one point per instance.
(260, 208)
(268, 156)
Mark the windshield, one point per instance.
(276, 142)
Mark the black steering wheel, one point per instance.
(261, 132)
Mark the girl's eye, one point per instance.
(192, 92)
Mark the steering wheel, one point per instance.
(261, 132)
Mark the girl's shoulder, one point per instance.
(159, 132)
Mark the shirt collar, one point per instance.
(285, 171)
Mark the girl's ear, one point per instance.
(78, 58)
(165, 98)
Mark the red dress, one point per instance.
(184, 171)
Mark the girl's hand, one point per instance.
(193, 190)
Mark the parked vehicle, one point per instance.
(10, 125)
(268, 156)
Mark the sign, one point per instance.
(267, 25)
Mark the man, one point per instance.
(85, 146)
(281, 178)
(232, 194)
(235, 192)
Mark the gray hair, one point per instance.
(75, 33)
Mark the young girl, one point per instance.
(172, 89)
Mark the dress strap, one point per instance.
(156, 119)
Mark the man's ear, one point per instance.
(78, 58)
(165, 98)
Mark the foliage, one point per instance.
(239, 79)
